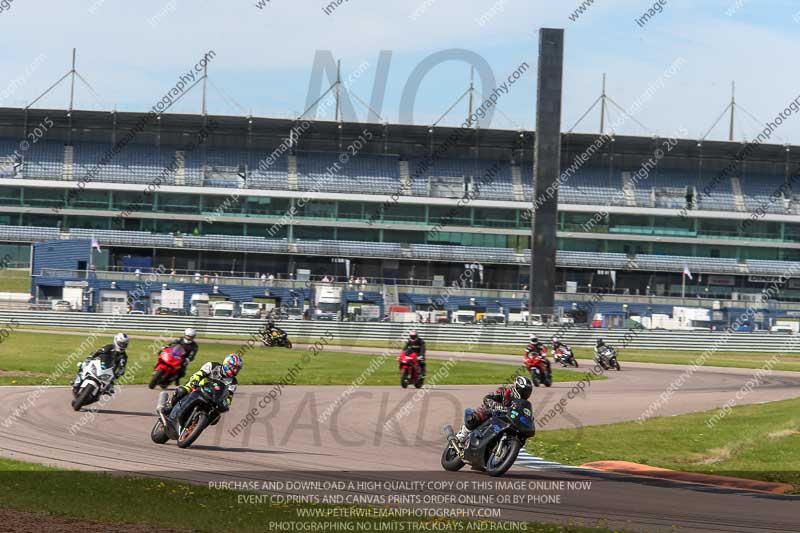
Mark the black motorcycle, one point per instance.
(202, 408)
(565, 357)
(608, 359)
(494, 445)
(276, 338)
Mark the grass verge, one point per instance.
(29, 358)
(168, 504)
(757, 441)
(789, 361)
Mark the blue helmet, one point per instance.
(232, 364)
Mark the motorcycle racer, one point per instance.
(499, 400)
(226, 372)
(111, 356)
(190, 350)
(534, 349)
(600, 348)
(555, 347)
(416, 344)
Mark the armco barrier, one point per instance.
(451, 333)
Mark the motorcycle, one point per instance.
(168, 367)
(203, 407)
(608, 359)
(94, 380)
(565, 356)
(410, 371)
(539, 367)
(276, 338)
(493, 446)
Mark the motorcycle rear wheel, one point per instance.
(506, 461)
(155, 381)
(574, 362)
(194, 427)
(616, 365)
(159, 433)
(451, 461)
(82, 398)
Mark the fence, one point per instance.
(448, 333)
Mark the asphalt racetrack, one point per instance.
(379, 434)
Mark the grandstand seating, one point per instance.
(372, 174)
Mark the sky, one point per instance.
(131, 53)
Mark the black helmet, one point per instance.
(600, 342)
(412, 335)
(522, 388)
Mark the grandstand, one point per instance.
(395, 212)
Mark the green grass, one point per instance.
(15, 280)
(790, 362)
(166, 504)
(758, 441)
(33, 356)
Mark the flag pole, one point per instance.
(683, 287)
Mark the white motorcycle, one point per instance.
(94, 380)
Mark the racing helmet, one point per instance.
(412, 335)
(522, 388)
(232, 364)
(120, 342)
(600, 342)
(188, 335)
(555, 340)
(534, 338)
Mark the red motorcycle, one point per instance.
(168, 367)
(539, 367)
(410, 371)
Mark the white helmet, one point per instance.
(555, 340)
(188, 335)
(120, 342)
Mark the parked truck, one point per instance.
(327, 303)
(223, 309)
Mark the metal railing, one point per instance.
(387, 332)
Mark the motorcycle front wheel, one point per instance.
(194, 427)
(451, 461)
(156, 379)
(83, 398)
(288, 344)
(616, 365)
(535, 378)
(159, 433)
(404, 379)
(499, 461)
(574, 362)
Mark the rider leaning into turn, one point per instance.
(111, 356)
(499, 400)
(190, 349)
(599, 348)
(416, 344)
(225, 372)
(556, 345)
(534, 348)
